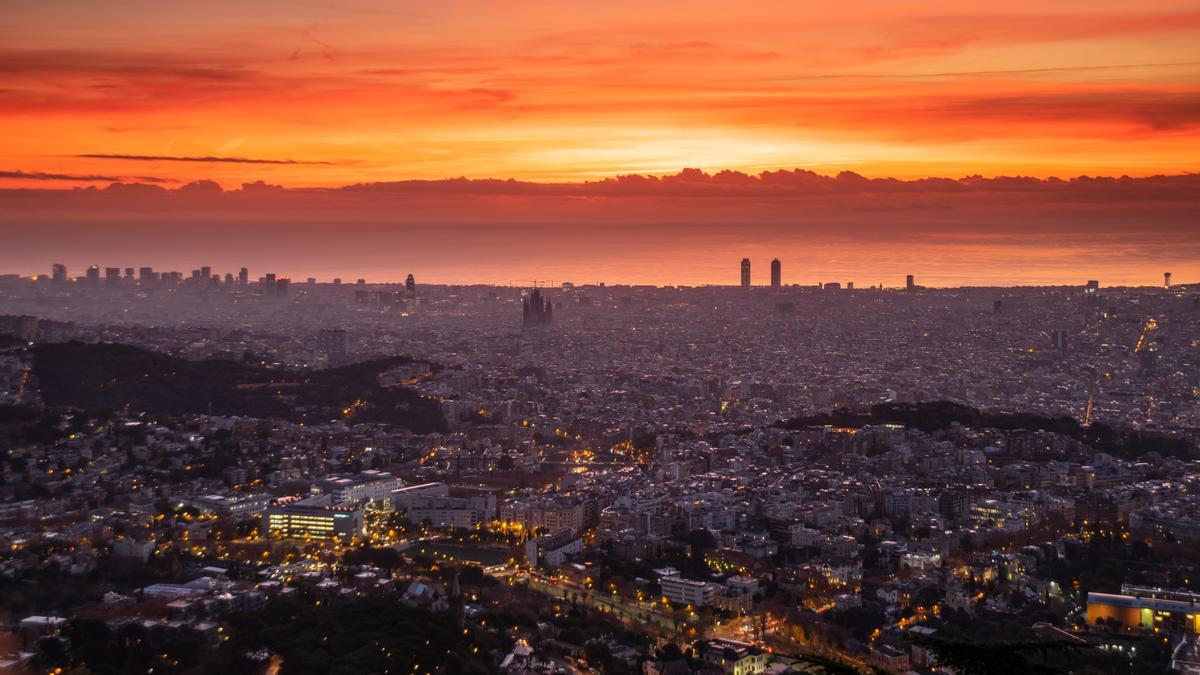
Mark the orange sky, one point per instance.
(326, 94)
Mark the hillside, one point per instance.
(931, 416)
(117, 377)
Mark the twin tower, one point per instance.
(776, 273)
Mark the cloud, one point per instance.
(100, 64)
(1153, 109)
(83, 178)
(783, 184)
(171, 158)
(792, 183)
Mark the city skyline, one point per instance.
(97, 275)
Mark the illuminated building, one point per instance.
(442, 512)
(289, 519)
(684, 591)
(361, 487)
(1147, 608)
(240, 505)
(552, 550)
(405, 497)
(734, 657)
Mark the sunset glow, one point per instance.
(318, 95)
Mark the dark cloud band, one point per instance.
(205, 159)
(83, 178)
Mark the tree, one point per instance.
(598, 655)
(974, 657)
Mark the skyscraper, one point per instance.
(58, 272)
(910, 282)
(776, 273)
(745, 273)
(93, 274)
(244, 277)
(410, 287)
(1166, 279)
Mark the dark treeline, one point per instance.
(96, 377)
(937, 415)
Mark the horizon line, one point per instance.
(682, 174)
(187, 281)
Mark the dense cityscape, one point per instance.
(219, 471)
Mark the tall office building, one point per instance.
(145, 275)
(93, 274)
(58, 272)
(1093, 286)
(745, 273)
(129, 275)
(776, 273)
(910, 282)
(112, 275)
(334, 343)
(1166, 279)
(410, 287)
(244, 277)
(206, 274)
